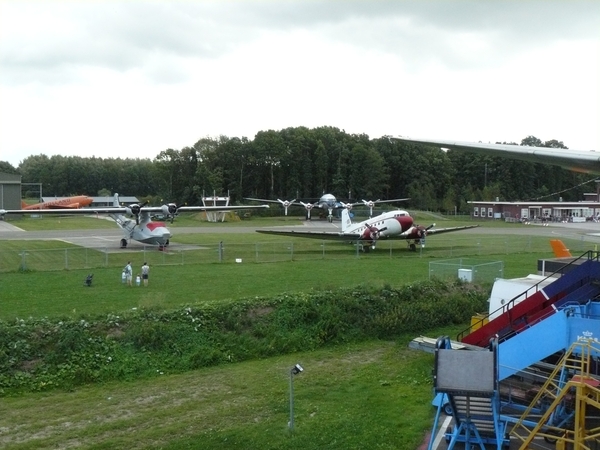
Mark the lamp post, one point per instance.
(294, 371)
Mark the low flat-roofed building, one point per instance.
(534, 210)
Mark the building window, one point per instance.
(476, 212)
(490, 212)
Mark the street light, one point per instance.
(294, 371)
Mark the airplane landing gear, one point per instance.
(413, 247)
(123, 243)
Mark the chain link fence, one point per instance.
(442, 247)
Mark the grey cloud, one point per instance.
(122, 36)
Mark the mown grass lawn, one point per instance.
(62, 292)
(369, 395)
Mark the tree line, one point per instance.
(304, 163)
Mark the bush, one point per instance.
(39, 354)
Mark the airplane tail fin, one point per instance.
(346, 220)
(116, 201)
(559, 248)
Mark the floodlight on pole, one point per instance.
(293, 371)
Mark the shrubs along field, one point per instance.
(43, 353)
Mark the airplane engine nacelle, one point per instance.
(418, 232)
(133, 210)
(370, 234)
(169, 209)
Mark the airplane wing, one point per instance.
(323, 235)
(449, 230)
(339, 236)
(587, 161)
(128, 210)
(273, 201)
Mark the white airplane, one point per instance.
(327, 202)
(586, 161)
(135, 220)
(396, 224)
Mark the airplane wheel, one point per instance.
(123, 243)
(413, 248)
(167, 243)
(448, 409)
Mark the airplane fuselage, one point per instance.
(78, 201)
(147, 231)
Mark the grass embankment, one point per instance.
(40, 354)
(369, 395)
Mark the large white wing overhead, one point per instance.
(587, 161)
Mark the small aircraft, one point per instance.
(135, 220)
(78, 201)
(586, 161)
(396, 224)
(327, 202)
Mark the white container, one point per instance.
(465, 275)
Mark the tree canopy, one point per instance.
(305, 163)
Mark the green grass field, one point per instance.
(363, 395)
(369, 395)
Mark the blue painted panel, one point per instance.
(581, 329)
(533, 345)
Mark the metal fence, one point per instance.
(448, 246)
(467, 269)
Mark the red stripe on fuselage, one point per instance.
(154, 225)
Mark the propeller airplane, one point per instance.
(396, 224)
(136, 220)
(78, 201)
(327, 202)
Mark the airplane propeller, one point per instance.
(372, 234)
(135, 210)
(422, 233)
(370, 204)
(286, 204)
(308, 207)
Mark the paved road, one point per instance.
(569, 230)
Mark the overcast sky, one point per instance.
(133, 78)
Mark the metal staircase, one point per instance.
(470, 382)
(572, 394)
(578, 285)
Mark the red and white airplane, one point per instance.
(327, 202)
(78, 201)
(396, 224)
(136, 220)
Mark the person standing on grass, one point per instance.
(145, 272)
(128, 273)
